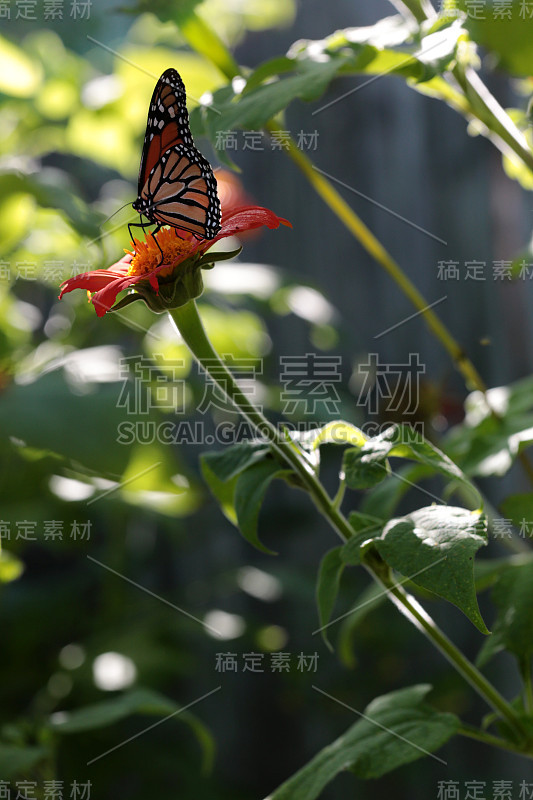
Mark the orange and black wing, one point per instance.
(167, 125)
(182, 191)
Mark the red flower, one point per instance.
(164, 286)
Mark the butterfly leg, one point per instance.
(135, 225)
(154, 234)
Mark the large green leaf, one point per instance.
(396, 729)
(253, 109)
(435, 547)
(136, 701)
(249, 493)
(327, 588)
(513, 628)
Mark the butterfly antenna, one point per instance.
(114, 212)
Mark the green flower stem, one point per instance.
(188, 324)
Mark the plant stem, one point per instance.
(421, 619)
(339, 497)
(484, 106)
(188, 324)
(487, 738)
(373, 246)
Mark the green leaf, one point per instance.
(366, 466)
(486, 444)
(253, 109)
(231, 461)
(513, 628)
(269, 69)
(249, 493)
(223, 491)
(136, 701)
(401, 441)
(327, 588)
(372, 49)
(208, 260)
(398, 728)
(336, 432)
(310, 67)
(435, 547)
(17, 761)
(508, 38)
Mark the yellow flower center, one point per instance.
(147, 254)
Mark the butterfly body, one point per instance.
(176, 184)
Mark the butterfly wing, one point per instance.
(176, 183)
(167, 124)
(182, 191)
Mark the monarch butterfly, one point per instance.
(176, 183)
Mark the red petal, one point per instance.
(245, 218)
(104, 299)
(98, 278)
(248, 217)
